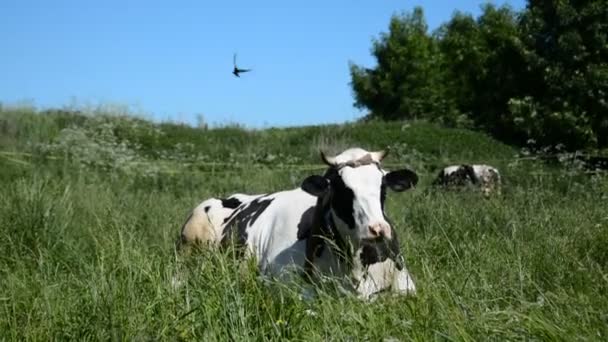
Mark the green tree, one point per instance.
(406, 83)
(566, 46)
(540, 74)
(464, 55)
(483, 64)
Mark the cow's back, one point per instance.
(273, 228)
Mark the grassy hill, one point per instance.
(90, 206)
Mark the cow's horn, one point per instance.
(379, 155)
(330, 161)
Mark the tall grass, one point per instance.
(87, 248)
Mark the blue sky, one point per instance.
(173, 59)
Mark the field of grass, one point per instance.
(90, 207)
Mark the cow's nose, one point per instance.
(380, 230)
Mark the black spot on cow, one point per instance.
(319, 251)
(323, 231)
(470, 174)
(374, 251)
(306, 223)
(241, 219)
(231, 203)
(370, 255)
(382, 196)
(342, 198)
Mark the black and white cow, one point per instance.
(484, 176)
(333, 224)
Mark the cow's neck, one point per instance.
(343, 244)
(325, 235)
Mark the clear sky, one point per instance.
(173, 59)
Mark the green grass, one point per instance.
(87, 247)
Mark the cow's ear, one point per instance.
(401, 180)
(316, 185)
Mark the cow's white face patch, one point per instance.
(365, 182)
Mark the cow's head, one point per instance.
(489, 179)
(354, 190)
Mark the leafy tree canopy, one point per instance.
(541, 73)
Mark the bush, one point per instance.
(540, 74)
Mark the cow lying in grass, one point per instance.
(333, 225)
(486, 177)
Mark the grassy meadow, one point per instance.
(91, 205)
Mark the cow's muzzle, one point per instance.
(380, 231)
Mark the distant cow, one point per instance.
(484, 176)
(334, 224)
(204, 225)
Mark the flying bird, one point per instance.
(236, 71)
